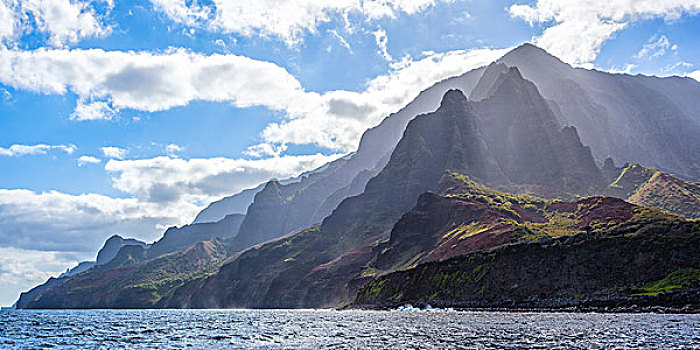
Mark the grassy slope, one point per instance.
(605, 226)
(656, 189)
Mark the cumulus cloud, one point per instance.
(65, 21)
(7, 22)
(83, 160)
(264, 149)
(146, 81)
(55, 221)
(114, 152)
(347, 114)
(199, 181)
(161, 192)
(576, 30)
(288, 20)
(695, 75)
(21, 269)
(23, 150)
(96, 110)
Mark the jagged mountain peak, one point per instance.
(492, 76)
(510, 81)
(532, 53)
(523, 135)
(499, 78)
(453, 97)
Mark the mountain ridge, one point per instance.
(510, 136)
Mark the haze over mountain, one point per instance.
(314, 241)
(131, 117)
(648, 120)
(602, 125)
(289, 274)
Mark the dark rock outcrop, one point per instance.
(524, 137)
(576, 271)
(108, 251)
(113, 245)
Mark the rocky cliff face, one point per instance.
(108, 251)
(524, 137)
(275, 275)
(616, 268)
(129, 285)
(291, 272)
(112, 247)
(647, 120)
(476, 247)
(314, 197)
(510, 136)
(471, 217)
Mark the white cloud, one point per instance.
(23, 150)
(65, 21)
(50, 231)
(21, 269)
(153, 82)
(7, 22)
(288, 20)
(195, 181)
(173, 149)
(114, 152)
(576, 30)
(342, 41)
(629, 67)
(347, 114)
(265, 149)
(381, 40)
(88, 160)
(55, 221)
(181, 11)
(96, 110)
(147, 81)
(695, 75)
(655, 47)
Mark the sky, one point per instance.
(127, 117)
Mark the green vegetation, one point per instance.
(676, 280)
(631, 179)
(377, 288)
(655, 189)
(462, 186)
(465, 231)
(557, 225)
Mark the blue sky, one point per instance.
(130, 116)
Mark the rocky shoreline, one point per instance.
(682, 302)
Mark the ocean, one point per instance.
(330, 329)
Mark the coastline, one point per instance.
(681, 302)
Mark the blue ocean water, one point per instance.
(326, 329)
